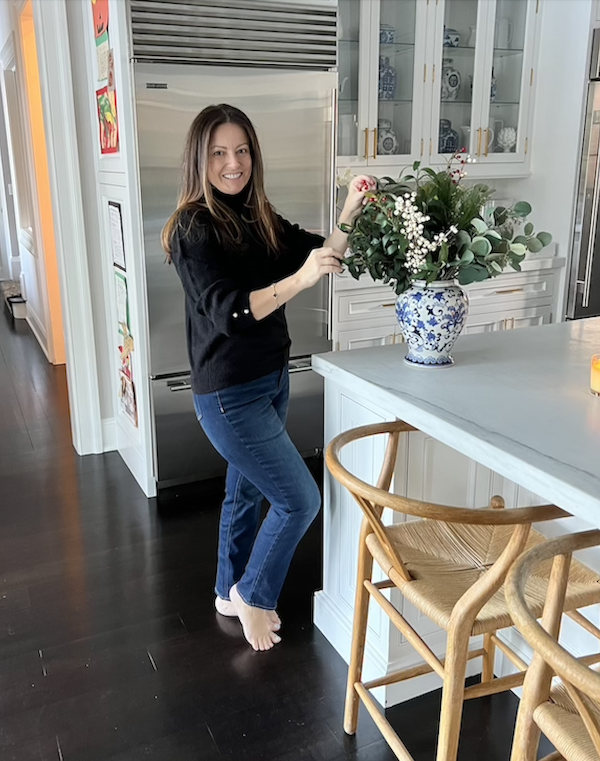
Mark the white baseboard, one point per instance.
(38, 331)
(109, 434)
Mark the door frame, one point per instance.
(52, 40)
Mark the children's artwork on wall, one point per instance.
(126, 346)
(127, 397)
(116, 235)
(100, 14)
(107, 120)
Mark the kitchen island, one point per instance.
(514, 417)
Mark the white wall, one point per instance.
(561, 78)
(86, 122)
(6, 21)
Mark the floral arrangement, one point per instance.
(429, 225)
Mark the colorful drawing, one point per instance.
(107, 119)
(100, 10)
(127, 397)
(100, 14)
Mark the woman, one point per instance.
(239, 263)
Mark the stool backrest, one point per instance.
(374, 498)
(581, 682)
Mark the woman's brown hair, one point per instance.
(197, 193)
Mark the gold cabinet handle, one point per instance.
(487, 141)
(479, 142)
(366, 143)
(375, 143)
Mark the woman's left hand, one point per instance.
(356, 192)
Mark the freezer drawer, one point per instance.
(305, 416)
(182, 451)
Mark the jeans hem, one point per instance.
(254, 605)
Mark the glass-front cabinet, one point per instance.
(485, 59)
(381, 47)
(422, 79)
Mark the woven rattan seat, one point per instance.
(445, 560)
(450, 564)
(565, 707)
(566, 730)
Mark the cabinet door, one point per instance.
(459, 64)
(507, 80)
(528, 318)
(484, 55)
(354, 19)
(484, 323)
(364, 338)
(398, 43)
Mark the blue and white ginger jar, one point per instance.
(431, 317)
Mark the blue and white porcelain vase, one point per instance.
(387, 79)
(431, 317)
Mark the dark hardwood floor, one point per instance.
(109, 645)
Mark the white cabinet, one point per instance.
(420, 79)
(364, 311)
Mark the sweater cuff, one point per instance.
(241, 315)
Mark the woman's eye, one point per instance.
(243, 150)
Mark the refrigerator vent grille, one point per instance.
(236, 32)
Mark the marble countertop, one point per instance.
(517, 401)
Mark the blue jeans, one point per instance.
(246, 425)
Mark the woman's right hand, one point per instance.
(321, 261)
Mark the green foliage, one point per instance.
(471, 249)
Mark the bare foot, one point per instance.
(227, 608)
(256, 623)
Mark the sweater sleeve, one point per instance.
(298, 245)
(211, 290)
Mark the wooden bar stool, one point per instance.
(451, 565)
(567, 710)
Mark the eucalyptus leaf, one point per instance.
(544, 238)
(479, 225)
(535, 245)
(528, 229)
(522, 209)
(518, 248)
(480, 246)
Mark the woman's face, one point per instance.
(229, 160)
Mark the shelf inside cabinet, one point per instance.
(448, 52)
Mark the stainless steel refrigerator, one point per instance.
(294, 115)
(584, 281)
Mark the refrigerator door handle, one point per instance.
(333, 204)
(589, 258)
(587, 283)
(299, 365)
(179, 386)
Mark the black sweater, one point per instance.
(226, 344)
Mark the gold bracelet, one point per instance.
(275, 296)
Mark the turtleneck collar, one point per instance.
(234, 202)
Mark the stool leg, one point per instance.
(488, 659)
(359, 635)
(536, 687)
(453, 691)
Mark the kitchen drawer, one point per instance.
(508, 319)
(367, 304)
(365, 338)
(511, 291)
